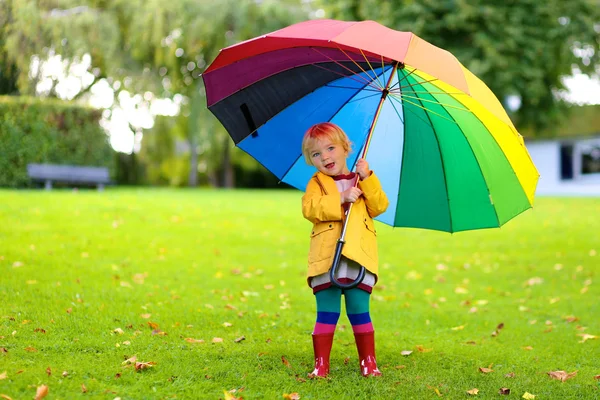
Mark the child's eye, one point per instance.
(315, 155)
(331, 148)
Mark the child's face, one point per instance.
(329, 157)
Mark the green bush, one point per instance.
(48, 131)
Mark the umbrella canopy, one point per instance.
(447, 154)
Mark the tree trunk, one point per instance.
(228, 174)
(193, 177)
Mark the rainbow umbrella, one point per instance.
(447, 155)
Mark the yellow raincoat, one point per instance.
(321, 205)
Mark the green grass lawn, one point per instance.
(178, 277)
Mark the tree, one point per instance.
(152, 49)
(517, 47)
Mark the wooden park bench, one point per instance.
(70, 174)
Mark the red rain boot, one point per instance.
(322, 347)
(365, 343)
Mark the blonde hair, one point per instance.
(321, 131)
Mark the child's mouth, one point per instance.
(329, 166)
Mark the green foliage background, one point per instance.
(35, 131)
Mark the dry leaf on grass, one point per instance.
(5, 397)
(505, 391)
(285, 362)
(129, 361)
(41, 392)
(190, 340)
(561, 375)
(485, 370)
(510, 375)
(422, 349)
(406, 352)
(49, 371)
(528, 396)
(473, 391)
(597, 377)
(83, 388)
(144, 365)
(217, 340)
(3, 375)
(238, 340)
(291, 396)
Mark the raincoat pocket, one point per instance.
(322, 241)
(368, 239)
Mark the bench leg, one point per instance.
(48, 185)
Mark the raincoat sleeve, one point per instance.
(375, 198)
(318, 207)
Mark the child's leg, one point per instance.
(328, 310)
(357, 308)
(328, 313)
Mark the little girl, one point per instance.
(328, 194)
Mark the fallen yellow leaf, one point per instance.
(229, 396)
(190, 340)
(586, 337)
(291, 396)
(41, 392)
(145, 316)
(3, 375)
(528, 396)
(217, 340)
(473, 391)
(485, 370)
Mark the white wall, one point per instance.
(546, 157)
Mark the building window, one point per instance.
(566, 161)
(590, 159)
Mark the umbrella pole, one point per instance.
(342, 240)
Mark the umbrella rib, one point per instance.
(351, 59)
(372, 69)
(418, 83)
(435, 102)
(403, 78)
(362, 80)
(362, 98)
(346, 68)
(426, 109)
(397, 113)
(396, 91)
(353, 88)
(408, 109)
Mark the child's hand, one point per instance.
(362, 168)
(350, 195)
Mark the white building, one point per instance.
(568, 166)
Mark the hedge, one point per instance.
(48, 131)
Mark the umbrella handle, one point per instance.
(334, 267)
